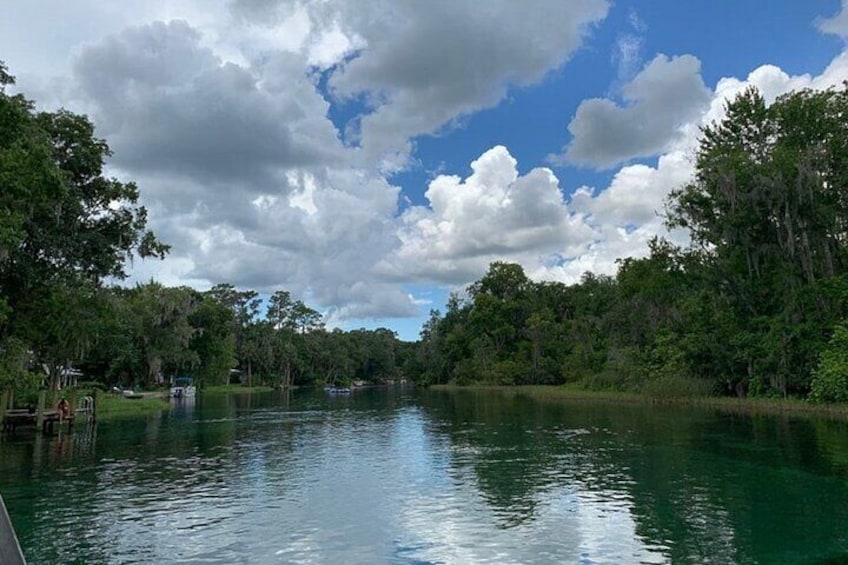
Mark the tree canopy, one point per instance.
(64, 226)
(748, 308)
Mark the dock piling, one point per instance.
(39, 411)
(4, 405)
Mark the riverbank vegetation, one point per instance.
(112, 406)
(751, 405)
(755, 306)
(67, 232)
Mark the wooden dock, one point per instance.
(49, 419)
(10, 549)
(44, 419)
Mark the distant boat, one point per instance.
(336, 390)
(183, 388)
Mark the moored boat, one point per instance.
(183, 388)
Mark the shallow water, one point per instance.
(405, 476)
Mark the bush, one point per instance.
(830, 377)
(507, 372)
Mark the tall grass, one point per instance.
(694, 394)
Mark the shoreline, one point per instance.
(730, 405)
(216, 389)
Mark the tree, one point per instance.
(158, 319)
(63, 224)
(213, 341)
(287, 317)
(244, 306)
(64, 323)
(768, 210)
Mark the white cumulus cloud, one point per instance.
(493, 214)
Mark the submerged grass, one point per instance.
(750, 406)
(237, 388)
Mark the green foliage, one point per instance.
(743, 311)
(26, 389)
(830, 377)
(767, 203)
(212, 341)
(13, 363)
(115, 406)
(64, 227)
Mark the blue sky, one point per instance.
(532, 121)
(374, 158)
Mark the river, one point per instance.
(402, 476)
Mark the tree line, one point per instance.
(67, 230)
(756, 305)
(151, 334)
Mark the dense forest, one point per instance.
(755, 305)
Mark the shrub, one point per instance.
(830, 377)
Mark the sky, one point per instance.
(373, 157)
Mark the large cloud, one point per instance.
(423, 64)
(244, 173)
(624, 217)
(667, 94)
(493, 214)
(242, 169)
(497, 214)
(321, 240)
(168, 103)
(221, 117)
(420, 66)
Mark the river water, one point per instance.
(418, 477)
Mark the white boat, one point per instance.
(183, 388)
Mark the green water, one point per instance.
(431, 477)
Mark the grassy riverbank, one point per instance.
(768, 406)
(114, 405)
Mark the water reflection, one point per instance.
(399, 477)
(696, 486)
